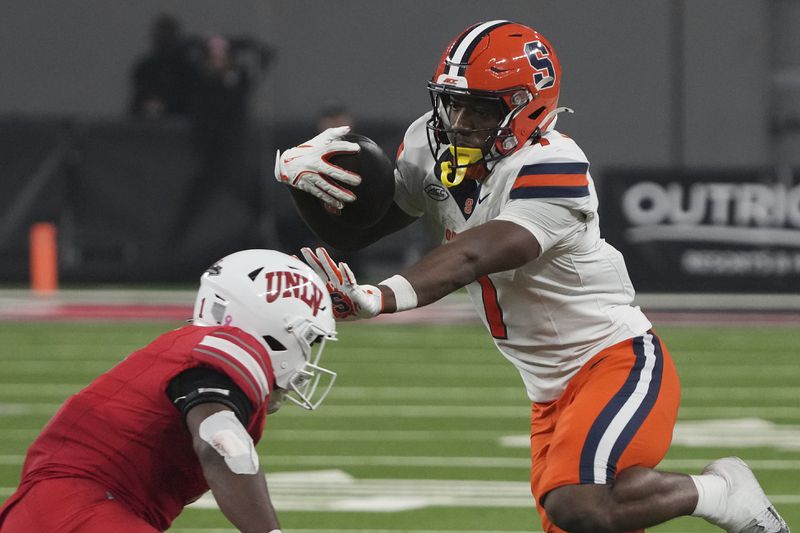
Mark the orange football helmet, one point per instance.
(502, 62)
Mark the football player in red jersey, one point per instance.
(183, 414)
(515, 206)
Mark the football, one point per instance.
(374, 194)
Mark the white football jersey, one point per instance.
(553, 314)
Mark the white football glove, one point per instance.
(351, 301)
(306, 167)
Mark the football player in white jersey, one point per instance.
(516, 208)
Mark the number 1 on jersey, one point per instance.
(494, 313)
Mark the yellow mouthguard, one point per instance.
(465, 157)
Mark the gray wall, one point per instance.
(652, 83)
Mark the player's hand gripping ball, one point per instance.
(338, 179)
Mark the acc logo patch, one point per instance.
(437, 192)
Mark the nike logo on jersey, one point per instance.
(480, 200)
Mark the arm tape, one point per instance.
(223, 432)
(404, 294)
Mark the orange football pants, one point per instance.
(618, 411)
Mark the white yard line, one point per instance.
(716, 433)
(332, 435)
(323, 530)
(403, 369)
(327, 461)
(660, 301)
(455, 411)
(492, 394)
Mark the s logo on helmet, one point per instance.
(544, 75)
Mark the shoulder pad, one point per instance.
(414, 148)
(555, 167)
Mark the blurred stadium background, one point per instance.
(689, 112)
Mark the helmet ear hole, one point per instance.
(274, 344)
(317, 340)
(535, 114)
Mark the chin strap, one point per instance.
(553, 115)
(453, 172)
(452, 175)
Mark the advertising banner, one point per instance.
(704, 230)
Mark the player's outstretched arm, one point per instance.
(495, 246)
(231, 468)
(492, 247)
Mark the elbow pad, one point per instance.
(223, 432)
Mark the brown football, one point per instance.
(374, 194)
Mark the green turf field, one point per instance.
(426, 426)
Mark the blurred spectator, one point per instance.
(218, 108)
(225, 72)
(162, 79)
(333, 114)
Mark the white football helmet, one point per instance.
(281, 302)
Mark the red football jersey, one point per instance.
(124, 432)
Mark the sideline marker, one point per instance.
(43, 258)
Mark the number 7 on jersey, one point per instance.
(491, 306)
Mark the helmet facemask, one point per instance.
(311, 383)
(498, 140)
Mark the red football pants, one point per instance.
(618, 411)
(68, 505)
